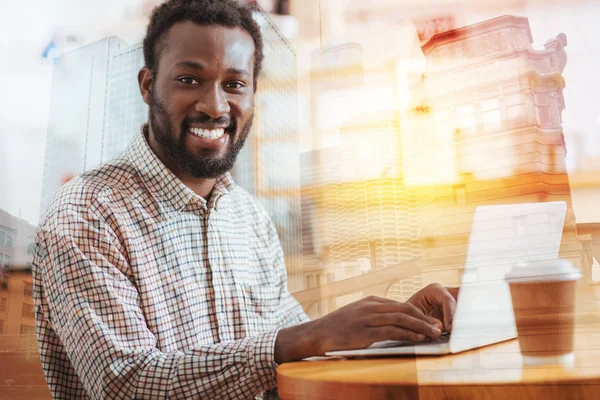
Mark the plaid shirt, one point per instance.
(145, 290)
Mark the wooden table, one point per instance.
(491, 372)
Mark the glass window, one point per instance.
(1, 326)
(516, 114)
(9, 242)
(3, 303)
(514, 99)
(310, 281)
(7, 261)
(4, 282)
(466, 120)
(491, 115)
(27, 330)
(466, 110)
(491, 121)
(318, 309)
(27, 311)
(489, 105)
(28, 289)
(467, 126)
(2, 236)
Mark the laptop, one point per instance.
(501, 235)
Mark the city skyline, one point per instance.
(484, 127)
(25, 131)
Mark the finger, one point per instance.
(453, 291)
(406, 308)
(444, 298)
(397, 307)
(405, 321)
(449, 306)
(395, 333)
(392, 306)
(377, 299)
(416, 312)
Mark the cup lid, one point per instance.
(543, 271)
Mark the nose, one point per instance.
(213, 102)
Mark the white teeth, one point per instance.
(208, 134)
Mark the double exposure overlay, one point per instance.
(380, 127)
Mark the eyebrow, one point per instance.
(236, 71)
(199, 67)
(190, 64)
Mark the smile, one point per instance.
(210, 134)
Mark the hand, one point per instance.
(354, 326)
(438, 302)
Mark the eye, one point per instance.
(188, 80)
(234, 85)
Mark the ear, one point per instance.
(145, 83)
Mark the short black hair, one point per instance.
(225, 13)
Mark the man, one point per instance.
(155, 275)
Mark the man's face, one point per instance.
(202, 98)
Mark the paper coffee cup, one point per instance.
(543, 296)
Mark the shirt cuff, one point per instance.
(262, 359)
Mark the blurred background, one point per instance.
(380, 126)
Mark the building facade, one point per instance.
(16, 255)
(78, 113)
(268, 166)
(19, 359)
(124, 109)
(488, 112)
(484, 128)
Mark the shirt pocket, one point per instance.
(260, 304)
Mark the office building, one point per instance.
(124, 108)
(18, 344)
(78, 113)
(268, 166)
(484, 127)
(488, 130)
(17, 238)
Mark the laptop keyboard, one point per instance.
(445, 338)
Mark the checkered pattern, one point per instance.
(145, 290)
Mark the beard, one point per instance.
(209, 164)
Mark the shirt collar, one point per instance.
(164, 184)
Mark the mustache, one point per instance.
(221, 122)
